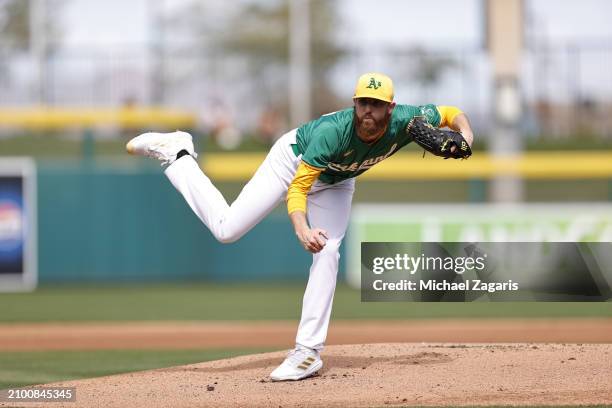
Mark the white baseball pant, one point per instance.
(328, 208)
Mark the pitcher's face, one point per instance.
(372, 118)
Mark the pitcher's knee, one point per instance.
(225, 236)
(227, 240)
(331, 248)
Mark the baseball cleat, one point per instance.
(300, 363)
(161, 146)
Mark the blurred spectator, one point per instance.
(218, 122)
(270, 125)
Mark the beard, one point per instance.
(369, 128)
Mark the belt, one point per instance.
(296, 150)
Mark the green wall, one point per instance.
(104, 223)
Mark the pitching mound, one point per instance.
(374, 375)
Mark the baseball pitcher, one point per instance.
(313, 169)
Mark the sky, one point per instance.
(367, 23)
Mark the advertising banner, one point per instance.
(18, 270)
(473, 224)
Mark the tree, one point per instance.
(256, 33)
(16, 31)
(427, 69)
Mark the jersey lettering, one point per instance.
(366, 164)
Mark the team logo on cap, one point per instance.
(374, 83)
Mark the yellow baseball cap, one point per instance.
(374, 85)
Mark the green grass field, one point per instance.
(248, 302)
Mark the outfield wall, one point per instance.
(119, 224)
(104, 223)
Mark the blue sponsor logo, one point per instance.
(11, 230)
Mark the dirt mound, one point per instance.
(373, 375)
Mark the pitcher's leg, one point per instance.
(328, 209)
(199, 192)
(261, 194)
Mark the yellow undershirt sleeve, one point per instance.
(305, 177)
(448, 115)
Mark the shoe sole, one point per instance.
(311, 371)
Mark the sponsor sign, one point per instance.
(17, 225)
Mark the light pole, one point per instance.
(299, 62)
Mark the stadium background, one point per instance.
(115, 241)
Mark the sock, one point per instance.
(181, 154)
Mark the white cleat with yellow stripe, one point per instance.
(300, 363)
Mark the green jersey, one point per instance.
(331, 142)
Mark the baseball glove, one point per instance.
(437, 141)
